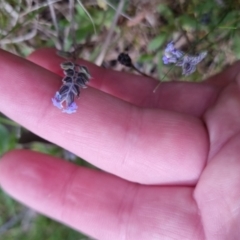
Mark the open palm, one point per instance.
(171, 159)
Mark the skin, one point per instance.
(170, 159)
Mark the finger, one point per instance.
(99, 204)
(190, 98)
(217, 193)
(222, 119)
(225, 77)
(143, 145)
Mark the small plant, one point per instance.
(76, 77)
(187, 62)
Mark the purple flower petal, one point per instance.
(198, 58)
(188, 67)
(187, 62)
(56, 101)
(171, 54)
(72, 108)
(165, 59)
(76, 77)
(177, 53)
(170, 47)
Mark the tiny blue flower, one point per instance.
(72, 108)
(171, 54)
(165, 59)
(188, 67)
(170, 47)
(76, 76)
(187, 62)
(171, 59)
(56, 101)
(177, 53)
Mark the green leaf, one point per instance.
(157, 42)
(4, 139)
(187, 22)
(165, 11)
(236, 46)
(145, 58)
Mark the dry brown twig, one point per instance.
(58, 43)
(106, 44)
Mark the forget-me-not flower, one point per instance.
(76, 77)
(179, 58)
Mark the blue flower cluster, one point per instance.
(76, 77)
(179, 58)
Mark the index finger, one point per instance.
(184, 97)
(141, 145)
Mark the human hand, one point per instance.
(173, 155)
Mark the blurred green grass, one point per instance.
(142, 29)
(18, 222)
